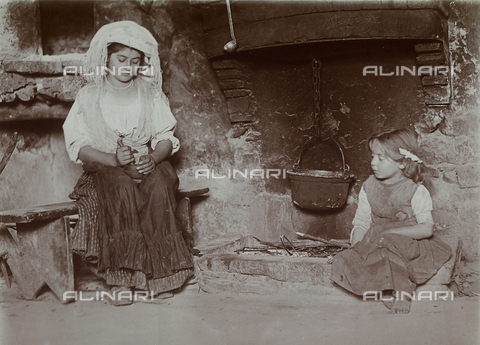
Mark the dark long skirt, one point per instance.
(129, 230)
(390, 262)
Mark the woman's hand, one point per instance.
(146, 164)
(124, 155)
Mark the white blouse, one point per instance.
(123, 119)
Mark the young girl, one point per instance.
(127, 229)
(393, 248)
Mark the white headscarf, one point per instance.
(135, 36)
(129, 34)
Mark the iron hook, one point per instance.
(232, 45)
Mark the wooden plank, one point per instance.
(52, 211)
(190, 193)
(43, 212)
(190, 188)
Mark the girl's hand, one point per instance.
(146, 164)
(124, 155)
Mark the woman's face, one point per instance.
(124, 64)
(384, 168)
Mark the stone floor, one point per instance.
(195, 317)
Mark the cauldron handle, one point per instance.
(296, 165)
(346, 168)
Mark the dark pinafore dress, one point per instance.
(392, 261)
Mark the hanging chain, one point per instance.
(316, 66)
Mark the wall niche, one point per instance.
(66, 26)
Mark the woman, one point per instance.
(121, 119)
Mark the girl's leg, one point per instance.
(401, 297)
(401, 305)
(388, 298)
(369, 268)
(397, 301)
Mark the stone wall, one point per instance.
(453, 149)
(225, 131)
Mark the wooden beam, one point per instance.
(327, 26)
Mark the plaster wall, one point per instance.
(39, 171)
(16, 38)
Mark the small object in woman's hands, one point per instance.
(146, 164)
(133, 170)
(144, 159)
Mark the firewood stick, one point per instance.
(319, 239)
(266, 243)
(279, 245)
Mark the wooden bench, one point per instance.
(38, 251)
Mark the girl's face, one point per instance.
(384, 168)
(123, 65)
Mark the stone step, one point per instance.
(222, 270)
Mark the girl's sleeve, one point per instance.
(363, 216)
(422, 205)
(75, 133)
(164, 125)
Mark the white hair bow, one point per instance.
(408, 154)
